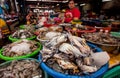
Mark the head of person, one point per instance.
(30, 13)
(71, 4)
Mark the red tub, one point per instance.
(78, 32)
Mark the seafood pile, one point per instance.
(30, 28)
(101, 38)
(21, 69)
(22, 34)
(71, 55)
(45, 34)
(46, 29)
(78, 27)
(42, 37)
(65, 24)
(19, 48)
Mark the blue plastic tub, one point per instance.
(56, 74)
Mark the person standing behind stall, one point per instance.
(72, 13)
(31, 18)
(61, 16)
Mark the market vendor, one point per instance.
(72, 13)
(3, 28)
(62, 15)
(30, 18)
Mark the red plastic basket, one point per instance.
(79, 32)
(48, 25)
(103, 28)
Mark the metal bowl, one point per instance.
(106, 47)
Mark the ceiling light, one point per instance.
(64, 1)
(58, 4)
(106, 0)
(82, 4)
(76, 4)
(52, 6)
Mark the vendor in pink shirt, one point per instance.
(72, 13)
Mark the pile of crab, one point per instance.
(70, 54)
(19, 48)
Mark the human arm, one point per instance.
(27, 17)
(76, 14)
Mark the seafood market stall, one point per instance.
(45, 46)
(62, 50)
(55, 48)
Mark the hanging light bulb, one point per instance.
(106, 0)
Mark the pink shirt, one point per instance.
(70, 14)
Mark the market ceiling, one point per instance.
(61, 1)
(110, 3)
